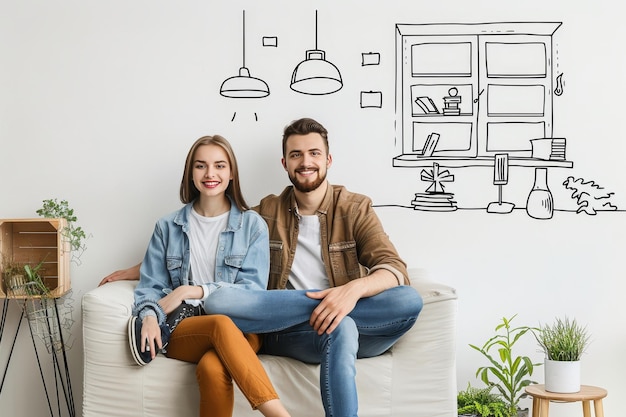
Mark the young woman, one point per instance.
(213, 241)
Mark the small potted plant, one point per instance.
(480, 402)
(563, 342)
(509, 374)
(74, 234)
(22, 280)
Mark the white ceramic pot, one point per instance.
(562, 376)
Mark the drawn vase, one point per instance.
(540, 204)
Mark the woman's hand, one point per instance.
(151, 336)
(180, 294)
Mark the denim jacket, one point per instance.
(242, 258)
(352, 237)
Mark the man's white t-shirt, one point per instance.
(308, 271)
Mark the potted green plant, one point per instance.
(23, 280)
(509, 374)
(563, 342)
(480, 402)
(74, 234)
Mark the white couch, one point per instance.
(416, 378)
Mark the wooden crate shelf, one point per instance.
(29, 241)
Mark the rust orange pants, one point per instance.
(222, 354)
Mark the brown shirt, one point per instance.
(352, 238)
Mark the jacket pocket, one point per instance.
(234, 261)
(344, 260)
(174, 266)
(276, 256)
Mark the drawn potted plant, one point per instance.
(509, 374)
(563, 342)
(480, 402)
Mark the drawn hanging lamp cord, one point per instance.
(244, 85)
(315, 75)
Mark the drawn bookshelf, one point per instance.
(484, 88)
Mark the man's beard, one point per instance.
(308, 186)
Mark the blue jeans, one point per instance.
(372, 327)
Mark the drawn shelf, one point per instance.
(418, 161)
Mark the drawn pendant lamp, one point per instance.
(243, 85)
(315, 75)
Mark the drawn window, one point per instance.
(452, 136)
(429, 99)
(516, 100)
(441, 59)
(516, 59)
(513, 136)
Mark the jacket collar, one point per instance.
(235, 217)
(322, 209)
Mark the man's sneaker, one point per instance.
(134, 340)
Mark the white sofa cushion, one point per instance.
(416, 378)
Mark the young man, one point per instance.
(348, 295)
(347, 287)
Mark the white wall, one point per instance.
(100, 101)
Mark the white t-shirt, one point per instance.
(307, 271)
(204, 233)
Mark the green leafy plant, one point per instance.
(506, 372)
(75, 235)
(23, 279)
(34, 284)
(481, 402)
(564, 340)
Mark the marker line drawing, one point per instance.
(370, 58)
(270, 41)
(243, 85)
(500, 178)
(487, 90)
(371, 99)
(315, 75)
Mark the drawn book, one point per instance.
(430, 144)
(427, 105)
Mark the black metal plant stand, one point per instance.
(62, 381)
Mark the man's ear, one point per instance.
(329, 160)
(282, 161)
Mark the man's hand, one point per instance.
(129, 274)
(336, 303)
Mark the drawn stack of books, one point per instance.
(435, 198)
(431, 201)
(558, 149)
(451, 103)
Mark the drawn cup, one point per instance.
(541, 148)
